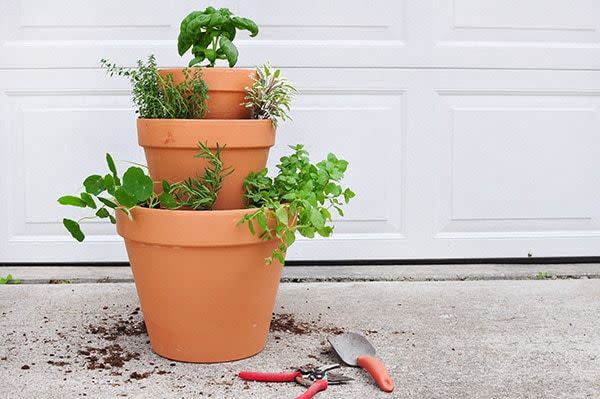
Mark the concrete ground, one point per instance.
(485, 338)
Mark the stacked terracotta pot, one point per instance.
(204, 289)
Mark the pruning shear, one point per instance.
(316, 380)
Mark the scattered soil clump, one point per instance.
(286, 322)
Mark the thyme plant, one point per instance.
(156, 97)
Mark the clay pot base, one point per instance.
(204, 289)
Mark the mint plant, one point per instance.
(110, 193)
(299, 199)
(156, 97)
(210, 34)
(270, 95)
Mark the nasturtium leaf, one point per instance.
(109, 183)
(94, 184)
(124, 198)
(102, 213)
(229, 50)
(111, 165)
(107, 202)
(89, 201)
(137, 184)
(167, 200)
(72, 201)
(73, 228)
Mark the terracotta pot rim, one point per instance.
(186, 133)
(217, 228)
(208, 121)
(234, 69)
(201, 214)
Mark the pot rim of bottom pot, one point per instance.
(186, 228)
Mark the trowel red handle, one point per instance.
(376, 368)
(315, 388)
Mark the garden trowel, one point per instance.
(355, 350)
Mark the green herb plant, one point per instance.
(270, 95)
(299, 199)
(156, 97)
(210, 34)
(110, 193)
(9, 280)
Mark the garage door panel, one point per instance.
(28, 20)
(318, 20)
(523, 21)
(518, 163)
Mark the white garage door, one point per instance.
(472, 126)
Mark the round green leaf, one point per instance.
(89, 201)
(73, 228)
(111, 165)
(94, 184)
(72, 201)
(124, 198)
(137, 184)
(107, 202)
(102, 213)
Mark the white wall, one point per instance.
(472, 126)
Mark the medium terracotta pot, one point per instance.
(204, 289)
(226, 90)
(170, 146)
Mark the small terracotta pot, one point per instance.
(226, 90)
(204, 289)
(170, 146)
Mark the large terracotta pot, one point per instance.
(170, 146)
(226, 90)
(204, 289)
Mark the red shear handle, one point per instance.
(270, 377)
(315, 388)
(378, 371)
